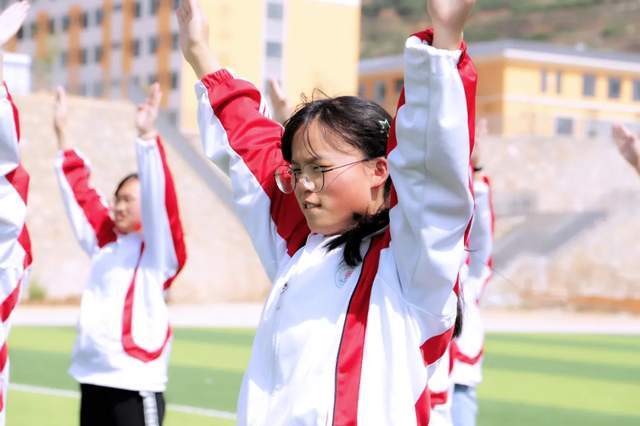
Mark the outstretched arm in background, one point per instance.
(86, 209)
(628, 144)
(161, 226)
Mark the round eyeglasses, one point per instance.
(311, 175)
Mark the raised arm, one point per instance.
(244, 143)
(628, 144)
(15, 244)
(430, 145)
(161, 225)
(87, 211)
(481, 237)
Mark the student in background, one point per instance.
(122, 350)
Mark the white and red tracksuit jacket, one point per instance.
(15, 245)
(346, 346)
(468, 348)
(123, 331)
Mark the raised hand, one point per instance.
(448, 18)
(281, 107)
(11, 19)
(628, 145)
(194, 38)
(147, 114)
(60, 113)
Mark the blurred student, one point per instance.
(467, 349)
(364, 270)
(136, 249)
(628, 144)
(15, 245)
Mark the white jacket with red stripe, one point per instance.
(123, 331)
(337, 345)
(468, 348)
(15, 245)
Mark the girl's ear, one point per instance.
(379, 171)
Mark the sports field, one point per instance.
(529, 379)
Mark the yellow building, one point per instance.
(530, 88)
(100, 47)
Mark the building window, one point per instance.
(173, 117)
(99, 16)
(175, 41)
(564, 126)
(543, 81)
(98, 89)
(64, 58)
(152, 79)
(84, 20)
(154, 6)
(615, 86)
(83, 56)
(636, 90)
(65, 23)
(558, 82)
(52, 26)
(34, 29)
(135, 47)
(588, 85)
(98, 53)
(153, 45)
(137, 9)
(379, 91)
(174, 80)
(274, 49)
(275, 11)
(399, 84)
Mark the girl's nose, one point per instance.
(307, 182)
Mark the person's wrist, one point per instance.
(445, 38)
(202, 61)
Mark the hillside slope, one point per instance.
(600, 24)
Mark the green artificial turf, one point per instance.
(529, 379)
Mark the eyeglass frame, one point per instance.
(322, 171)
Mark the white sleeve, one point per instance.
(161, 225)
(86, 209)
(481, 235)
(430, 172)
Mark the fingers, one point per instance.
(61, 95)
(275, 91)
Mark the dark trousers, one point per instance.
(102, 406)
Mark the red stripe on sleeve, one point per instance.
(97, 214)
(173, 214)
(423, 408)
(256, 139)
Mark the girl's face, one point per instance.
(126, 208)
(355, 188)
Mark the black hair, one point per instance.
(123, 182)
(361, 124)
(457, 328)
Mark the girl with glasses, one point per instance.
(360, 223)
(136, 247)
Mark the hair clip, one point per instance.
(384, 126)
